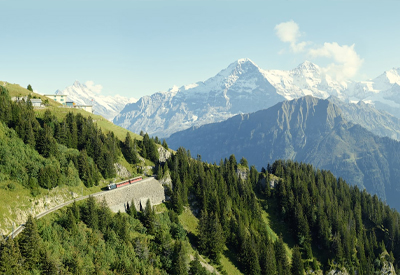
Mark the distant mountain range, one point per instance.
(243, 87)
(309, 130)
(106, 106)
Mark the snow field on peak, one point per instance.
(106, 106)
(245, 87)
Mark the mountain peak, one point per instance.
(308, 66)
(240, 66)
(77, 84)
(245, 60)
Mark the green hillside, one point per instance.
(60, 112)
(16, 90)
(53, 154)
(104, 124)
(309, 220)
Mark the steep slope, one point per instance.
(308, 130)
(376, 121)
(106, 106)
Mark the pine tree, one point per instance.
(270, 261)
(129, 150)
(149, 218)
(91, 216)
(104, 215)
(176, 200)
(160, 173)
(70, 222)
(179, 261)
(73, 131)
(297, 263)
(132, 209)
(195, 266)
(45, 143)
(29, 135)
(29, 88)
(216, 238)
(282, 262)
(5, 106)
(76, 211)
(164, 144)
(48, 264)
(10, 258)
(244, 162)
(202, 228)
(84, 169)
(30, 243)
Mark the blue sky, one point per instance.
(136, 48)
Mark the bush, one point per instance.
(11, 186)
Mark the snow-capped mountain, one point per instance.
(306, 79)
(243, 87)
(106, 106)
(240, 88)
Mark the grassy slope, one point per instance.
(189, 222)
(17, 90)
(60, 112)
(274, 224)
(104, 124)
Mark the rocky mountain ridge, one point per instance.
(244, 87)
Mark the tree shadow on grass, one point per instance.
(229, 253)
(193, 239)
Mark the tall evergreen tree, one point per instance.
(179, 261)
(91, 217)
(30, 244)
(282, 262)
(10, 258)
(297, 263)
(269, 260)
(164, 144)
(149, 217)
(132, 209)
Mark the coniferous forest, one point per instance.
(331, 224)
(63, 151)
(322, 222)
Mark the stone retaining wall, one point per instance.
(149, 188)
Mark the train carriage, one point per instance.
(123, 183)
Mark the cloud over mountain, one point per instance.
(344, 62)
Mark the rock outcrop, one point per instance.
(122, 171)
(164, 154)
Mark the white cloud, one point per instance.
(346, 60)
(289, 32)
(95, 88)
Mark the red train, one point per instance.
(123, 183)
